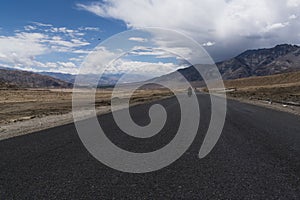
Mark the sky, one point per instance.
(56, 36)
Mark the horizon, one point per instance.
(120, 73)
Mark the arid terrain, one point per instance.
(19, 105)
(277, 88)
(280, 92)
(26, 110)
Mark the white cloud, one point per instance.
(149, 69)
(81, 51)
(29, 28)
(166, 51)
(208, 44)
(76, 59)
(62, 67)
(293, 16)
(42, 24)
(74, 33)
(95, 61)
(67, 64)
(239, 24)
(138, 39)
(22, 48)
(89, 29)
(61, 30)
(15, 51)
(94, 8)
(293, 3)
(156, 52)
(276, 26)
(59, 41)
(51, 65)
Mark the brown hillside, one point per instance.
(24, 79)
(265, 81)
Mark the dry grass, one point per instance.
(279, 94)
(283, 87)
(280, 80)
(18, 105)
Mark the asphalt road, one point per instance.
(257, 157)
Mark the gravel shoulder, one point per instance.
(275, 106)
(28, 126)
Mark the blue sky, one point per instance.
(16, 14)
(20, 20)
(56, 35)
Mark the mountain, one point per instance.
(25, 79)
(89, 79)
(261, 62)
(190, 74)
(5, 85)
(61, 76)
(10, 77)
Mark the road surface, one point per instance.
(257, 157)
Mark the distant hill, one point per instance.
(190, 74)
(4, 85)
(24, 79)
(90, 79)
(252, 63)
(85, 79)
(261, 62)
(18, 78)
(61, 76)
(280, 80)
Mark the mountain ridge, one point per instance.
(280, 59)
(26, 79)
(259, 62)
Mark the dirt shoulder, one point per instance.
(267, 104)
(280, 92)
(27, 126)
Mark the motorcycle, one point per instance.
(190, 92)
